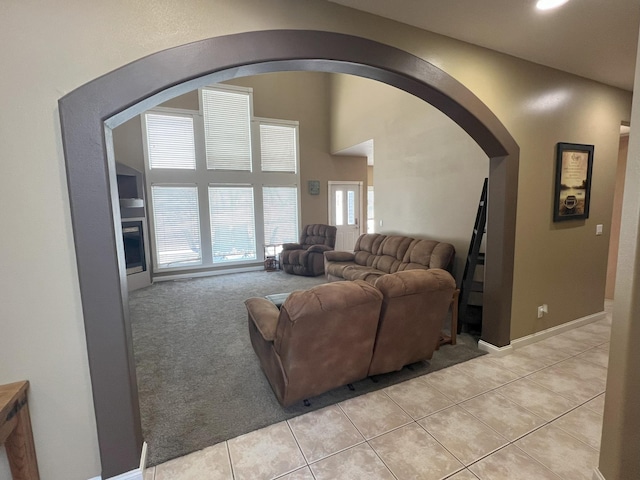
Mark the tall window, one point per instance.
(223, 183)
(232, 223)
(280, 215)
(278, 148)
(227, 129)
(177, 225)
(170, 141)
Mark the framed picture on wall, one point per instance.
(574, 163)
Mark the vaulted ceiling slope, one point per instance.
(596, 39)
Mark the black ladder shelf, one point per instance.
(474, 258)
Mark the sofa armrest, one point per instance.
(264, 315)
(319, 248)
(292, 246)
(339, 256)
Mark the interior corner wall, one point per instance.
(428, 171)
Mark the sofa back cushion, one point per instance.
(318, 234)
(414, 307)
(325, 336)
(428, 254)
(391, 252)
(367, 247)
(395, 253)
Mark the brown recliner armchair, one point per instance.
(320, 339)
(414, 306)
(307, 256)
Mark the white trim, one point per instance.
(136, 474)
(131, 475)
(360, 184)
(550, 332)
(143, 457)
(536, 337)
(493, 350)
(182, 276)
(597, 475)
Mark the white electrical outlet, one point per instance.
(542, 309)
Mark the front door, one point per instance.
(344, 212)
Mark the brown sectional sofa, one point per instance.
(376, 255)
(336, 333)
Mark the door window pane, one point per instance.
(339, 208)
(351, 208)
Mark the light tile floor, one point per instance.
(534, 414)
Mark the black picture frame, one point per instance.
(574, 165)
(314, 187)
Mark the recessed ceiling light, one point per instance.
(549, 4)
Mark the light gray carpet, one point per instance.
(199, 380)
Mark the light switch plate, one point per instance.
(599, 229)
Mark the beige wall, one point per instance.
(540, 107)
(619, 459)
(51, 48)
(428, 171)
(616, 218)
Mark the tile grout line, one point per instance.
(233, 475)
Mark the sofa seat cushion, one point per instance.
(358, 272)
(337, 269)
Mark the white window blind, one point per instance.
(176, 225)
(232, 223)
(351, 207)
(280, 215)
(278, 148)
(170, 141)
(227, 129)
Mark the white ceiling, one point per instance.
(595, 39)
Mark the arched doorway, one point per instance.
(90, 112)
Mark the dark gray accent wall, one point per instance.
(117, 96)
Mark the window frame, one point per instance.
(203, 177)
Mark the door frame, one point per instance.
(330, 203)
(88, 113)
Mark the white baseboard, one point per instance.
(550, 332)
(536, 337)
(208, 273)
(597, 475)
(493, 350)
(136, 474)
